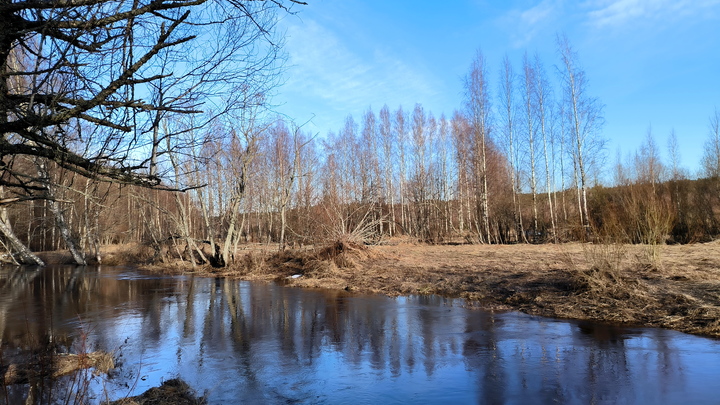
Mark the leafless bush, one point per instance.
(252, 262)
(602, 272)
(598, 269)
(357, 227)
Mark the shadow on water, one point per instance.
(263, 343)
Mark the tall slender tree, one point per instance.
(508, 118)
(544, 106)
(585, 117)
(711, 156)
(477, 103)
(387, 140)
(530, 110)
(401, 133)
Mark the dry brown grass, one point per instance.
(171, 392)
(610, 283)
(114, 255)
(61, 365)
(69, 363)
(111, 255)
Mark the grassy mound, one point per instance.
(171, 392)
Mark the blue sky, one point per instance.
(650, 62)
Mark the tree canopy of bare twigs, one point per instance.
(85, 83)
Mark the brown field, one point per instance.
(677, 287)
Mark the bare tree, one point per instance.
(419, 178)
(562, 139)
(711, 157)
(247, 130)
(530, 106)
(369, 164)
(85, 62)
(50, 194)
(443, 171)
(477, 103)
(401, 133)
(25, 255)
(648, 165)
(342, 185)
(585, 116)
(387, 140)
(288, 148)
(460, 131)
(286, 156)
(673, 148)
(544, 106)
(93, 80)
(649, 212)
(306, 201)
(507, 104)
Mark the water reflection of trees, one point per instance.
(35, 301)
(277, 344)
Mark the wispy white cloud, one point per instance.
(328, 72)
(528, 23)
(539, 13)
(607, 13)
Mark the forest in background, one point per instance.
(203, 165)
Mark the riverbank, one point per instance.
(675, 287)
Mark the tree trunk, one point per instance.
(25, 255)
(77, 254)
(227, 243)
(548, 185)
(485, 207)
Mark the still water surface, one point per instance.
(242, 342)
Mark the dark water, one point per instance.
(243, 342)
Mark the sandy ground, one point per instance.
(676, 287)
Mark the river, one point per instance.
(243, 342)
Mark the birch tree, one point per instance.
(96, 64)
(401, 132)
(246, 133)
(711, 156)
(585, 118)
(287, 149)
(508, 128)
(530, 105)
(443, 171)
(544, 106)
(419, 179)
(387, 140)
(477, 103)
(92, 62)
(460, 132)
(51, 195)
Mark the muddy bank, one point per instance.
(675, 287)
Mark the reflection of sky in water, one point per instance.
(270, 344)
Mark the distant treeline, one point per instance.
(289, 189)
(523, 163)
